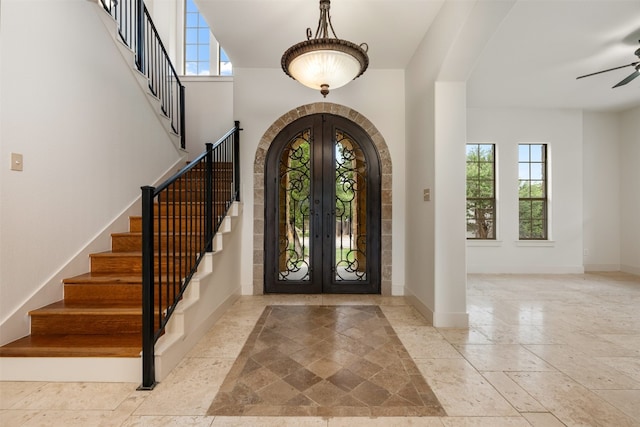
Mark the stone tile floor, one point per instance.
(309, 360)
(541, 350)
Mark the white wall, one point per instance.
(630, 191)
(611, 195)
(420, 173)
(168, 18)
(562, 131)
(601, 178)
(209, 110)
(89, 137)
(435, 123)
(262, 95)
(449, 202)
(214, 288)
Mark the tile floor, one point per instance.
(540, 351)
(312, 360)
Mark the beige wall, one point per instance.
(72, 107)
(562, 131)
(261, 96)
(601, 186)
(630, 191)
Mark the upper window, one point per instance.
(202, 53)
(197, 42)
(532, 176)
(224, 64)
(481, 191)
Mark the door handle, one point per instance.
(328, 223)
(316, 219)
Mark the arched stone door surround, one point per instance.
(258, 186)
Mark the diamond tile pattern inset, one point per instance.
(324, 361)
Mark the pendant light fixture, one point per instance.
(325, 62)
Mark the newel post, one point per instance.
(148, 330)
(208, 206)
(236, 159)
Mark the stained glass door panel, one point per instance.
(322, 209)
(350, 217)
(294, 209)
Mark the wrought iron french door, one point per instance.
(322, 209)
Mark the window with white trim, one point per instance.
(532, 191)
(203, 56)
(481, 192)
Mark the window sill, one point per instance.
(484, 243)
(207, 78)
(536, 243)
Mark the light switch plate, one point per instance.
(16, 162)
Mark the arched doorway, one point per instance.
(322, 208)
(258, 185)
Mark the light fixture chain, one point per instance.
(324, 23)
(331, 26)
(323, 62)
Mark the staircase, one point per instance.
(95, 332)
(101, 313)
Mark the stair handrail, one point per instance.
(180, 219)
(139, 33)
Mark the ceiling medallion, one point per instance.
(324, 62)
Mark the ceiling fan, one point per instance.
(630, 77)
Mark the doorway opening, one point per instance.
(258, 211)
(322, 209)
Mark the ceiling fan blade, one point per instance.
(630, 77)
(633, 64)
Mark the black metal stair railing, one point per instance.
(179, 221)
(138, 32)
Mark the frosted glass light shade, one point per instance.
(324, 67)
(325, 64)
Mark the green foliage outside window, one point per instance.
(532, 191)
(298, 183)
(346, 182)
(481, 200)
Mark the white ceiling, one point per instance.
(541, 47)
(255, 33)
(532, 59)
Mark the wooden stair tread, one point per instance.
(83, 308)
(125, 254)
(116, 254)
(112, 279)
(178, 218)
(104, 278)
(139, 233)
(101, 315)
(112, 345)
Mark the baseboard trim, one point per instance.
(72, 369)
(630, 269)
(397, 290)
(525, 269)
(438, 319)
(590, 268)
(418, 305)
(172, 349)
(451, 320)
